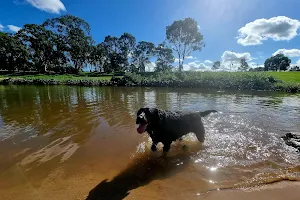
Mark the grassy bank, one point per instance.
(218, 80)
(291, 77)
(56, 80)
(275, 81)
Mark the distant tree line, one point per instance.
(65, 45)
(278, 62)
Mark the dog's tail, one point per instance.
(207, 112)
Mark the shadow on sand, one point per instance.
(142, 170)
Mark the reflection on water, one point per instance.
(49, 128)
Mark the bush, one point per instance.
(210, 80)
(219, 80)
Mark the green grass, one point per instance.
(218, 80)
(291, 77)
(59, 77)
(281, 81)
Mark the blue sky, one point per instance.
(232, 29)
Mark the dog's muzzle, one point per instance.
(141, 128)
(142, 123)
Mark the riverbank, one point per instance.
(212, 80)
(277, 191)
(57, 188)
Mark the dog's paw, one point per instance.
(164, 153)
(153, 148)
(185, 148)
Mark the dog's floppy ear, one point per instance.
(149, 111)
(152, 115)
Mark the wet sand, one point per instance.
(278, 191)
(77, 187)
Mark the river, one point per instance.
(64, 142)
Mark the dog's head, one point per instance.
(144, 117)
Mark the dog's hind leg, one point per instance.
(200, 133)
(167, 146)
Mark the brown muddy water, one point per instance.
(61, 142)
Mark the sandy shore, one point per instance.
(278, 191)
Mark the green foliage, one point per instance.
(288, 87)
(64, 45)
(216, 65)
(243, 65)
(257, 69)
(141, 55)
(277, 62)
(118, 50)
(212, 80)
(164, 58)
(74, 38)
(13, 54)
(66, 23)
(41, 44)
(98, 57)
(218, 80)
(184, 38)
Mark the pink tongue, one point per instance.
(141, 128)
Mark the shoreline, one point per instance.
(133, 82)
(275, 191)
(65, 190)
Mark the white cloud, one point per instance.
(130, 55)
(229, 56)
(208, 62)
(196, 66)
(13, 28)
(51, 6)
(298, 62)
(255, 65)
(189, 57)
(150, 67)
(186, 58)
(288, 52)
(231, 60)
(1, 27)
(276, 28)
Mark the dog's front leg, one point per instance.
(154, 144)
(154, 141)
(167, 146)
(153, 147)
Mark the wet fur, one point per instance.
(167, 126)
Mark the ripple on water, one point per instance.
(61, 147)
(242, 147)
(241, 153)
